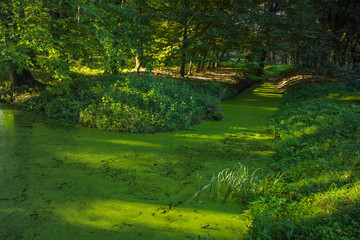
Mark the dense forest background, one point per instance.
(118, 35)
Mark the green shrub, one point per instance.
(134, 104)
(63, 102)
(146, 104)
(272, 218)
(279, 70)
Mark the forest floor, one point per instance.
(60, 181)
(221, 74)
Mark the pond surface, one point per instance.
(60, 181)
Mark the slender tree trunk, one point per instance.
(184, 44)
(198, 67)
(262, 60)
(191, 64)
(273, 58)
(138, 64)
(202, 63)
(183, 54)
(284, 59)
(218, 63)
(201, 53)
(355, 57)
(139, 58)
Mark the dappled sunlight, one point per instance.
(221, 74)
(252, 100)
(239, 128)
(330, 201)
(252, 135)
(10, 210)
(119, 215)
(263, 153)
(6, 120)
(267, 90)
(86, 71)
(126, 184)
(126, 142)
(200, 137)
(267, 108)
(267, 94)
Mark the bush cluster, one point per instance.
(140, 104)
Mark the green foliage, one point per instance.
(145, 104)
(317, 132)
(220, 90)
(54, 35)
(198, 237)
(321, 123)
(63, 101)
(279, 70)
(241, 185)
(272, 218)
(134, 104)
(233, 64)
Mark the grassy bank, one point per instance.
(317, 151)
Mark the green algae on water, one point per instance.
(67, 182)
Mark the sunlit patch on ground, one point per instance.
(151, 220)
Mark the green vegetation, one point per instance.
(161, 66)
(180, 35)
(198, 237)
(240, 185)
(128, 102)
(317, 150)
(313, 189)
(132, 104)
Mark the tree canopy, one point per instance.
(126, 34)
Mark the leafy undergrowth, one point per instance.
(252, 71)
(317, 150)
(133, 103)
(279, 70)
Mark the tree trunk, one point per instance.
(248, 59)
(262, 60)
(138, 65)
(183, 54)
(202, 62)
(191, 64)
(198, 67)
(20, 79)
(184, 44)
(218, 63)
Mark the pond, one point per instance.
(63, 181)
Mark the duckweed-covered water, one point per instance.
(60, 181)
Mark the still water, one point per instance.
(62, 181)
